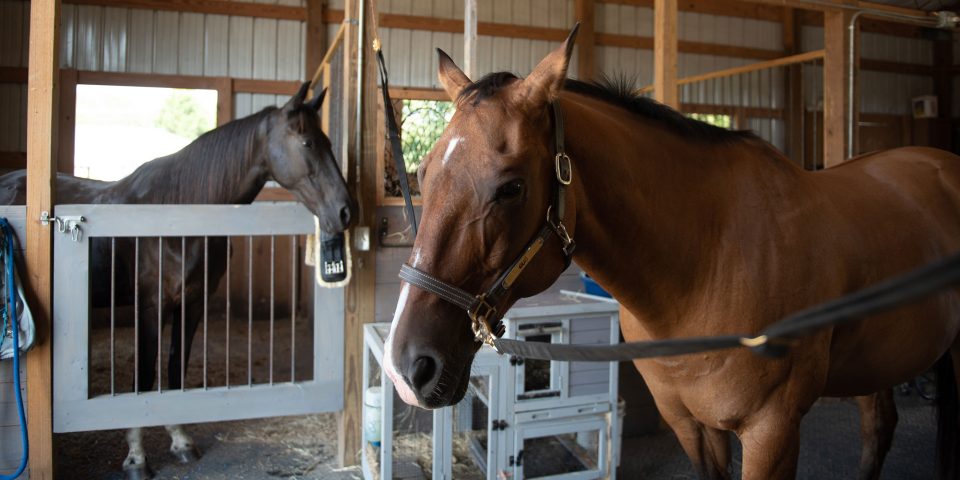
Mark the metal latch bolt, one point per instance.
(66, 224)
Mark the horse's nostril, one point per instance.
(422, 373)
(345, 216)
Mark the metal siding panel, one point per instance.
(289, 51)
(190, 60)
(400, 68)
(114, 39)
(539, 9)
(401, 6)
(140, 41)
(216, 35)
(241, 45)
(521, 13)
(523, 61)
(67, 35)
(10, 121)
(502, 54)
(11, 33)
(557, 14)
(689, 26)
(445, 42)
(242, 106)
(264, 49)
(166, 42)
(259, 101)
(501, 11)
(89, 21)
(445, 8)
(420, 59)
(421, 8)
(578, 390)
(484, 55)
(457, 52)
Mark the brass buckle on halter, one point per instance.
(564, 168)
(479, 316)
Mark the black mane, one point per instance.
(618, 92)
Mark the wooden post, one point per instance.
(793, 88)
(42, 103)
(224, 100)
(665, 52)
(586, 39)
(470, 38)
(67, 123)
(316, 36)
(836, 71)
(362, 177)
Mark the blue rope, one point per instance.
(12, 314)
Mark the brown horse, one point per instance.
(697, 231)
(228, 165)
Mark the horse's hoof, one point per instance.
(139, 472)
(187, 455)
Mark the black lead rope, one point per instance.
(393, 132)
(774, 340)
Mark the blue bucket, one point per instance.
(592, 287)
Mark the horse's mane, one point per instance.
(618, 92)
(208, 170)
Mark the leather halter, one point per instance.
(482, 308)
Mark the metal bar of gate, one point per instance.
(113, 323)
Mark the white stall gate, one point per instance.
(249, 359)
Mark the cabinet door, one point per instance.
(568, 449)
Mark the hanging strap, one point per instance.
(393, 132)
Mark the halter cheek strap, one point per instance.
(482, 308)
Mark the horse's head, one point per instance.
(487, 186)
(300, 158)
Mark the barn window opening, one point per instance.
(119, 128)
(421, 123)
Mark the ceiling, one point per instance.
(928, 5)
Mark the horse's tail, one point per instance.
(948, 420)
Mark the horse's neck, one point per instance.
(653, 210)
(224, 166)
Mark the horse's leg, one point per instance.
(707, 448)
(181, 445)
(135, 465)
(771, 445)
(878, 418)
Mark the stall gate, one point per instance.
(281, 354)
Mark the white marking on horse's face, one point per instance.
(416, 258)
(451, 147)
(404, 390)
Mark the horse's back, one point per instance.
(896, 210)
(70, 189)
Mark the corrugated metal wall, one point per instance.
(14, 17)
(881, 92)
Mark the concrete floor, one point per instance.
(304, 447)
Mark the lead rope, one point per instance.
(11, 313)
(393, 134)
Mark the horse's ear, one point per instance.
(451, 77)
(546, 80)
(315, 103)
(296, 101)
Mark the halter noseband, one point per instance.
(482, 308)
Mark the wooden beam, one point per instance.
(67, 126)
(362, 177)
(217, 7)
(727, 8)
(665, 47)
(586, 39)
(42, 103)
(836, 68)
(316, 35)
(225, 110)
(943, 80)
(470, 32)
(415, 93)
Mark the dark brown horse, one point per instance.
(228, 165)
(697, 231)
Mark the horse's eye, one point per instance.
(510, 190)
(307, 143)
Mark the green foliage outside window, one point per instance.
(722, 121)
(423, 122)
(182, 115)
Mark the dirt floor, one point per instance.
(304, 447)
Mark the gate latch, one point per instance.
(65, 224)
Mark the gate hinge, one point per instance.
(518, 461)
(65, 224)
